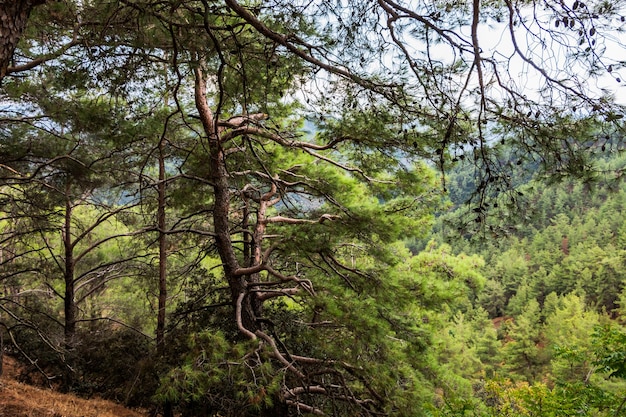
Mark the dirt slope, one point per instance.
(21, 400)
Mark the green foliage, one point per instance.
(521, 399)
(221, 377)
(523, 352)
(609, 342)
(109, 119)
(559, 279)
(567, 330)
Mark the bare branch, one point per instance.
(304, 283)
(305, 408)
(238, 317)
(279, 356)
(40, 60)
(269, 294)
(289, 220)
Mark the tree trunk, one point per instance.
(160, 330)
(68, 276)
(69, 299)
(1, 353)
(13, 18)
(250, 307)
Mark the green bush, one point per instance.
(222, 378)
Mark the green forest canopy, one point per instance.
(161, 197)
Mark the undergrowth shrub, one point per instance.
(219, 377)
(115, 363)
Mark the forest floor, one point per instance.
(21, 400)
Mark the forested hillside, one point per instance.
(284, 208)
(545, 334)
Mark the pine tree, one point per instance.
(306, 227)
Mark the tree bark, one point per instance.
(68, 276)
(160, 330)
(246, 305)
(1, 353)
(13, 18)
(69, 296)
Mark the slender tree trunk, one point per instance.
(13, 18)
(160, 330)
(1, 353)
(69, 299)
(68, 276)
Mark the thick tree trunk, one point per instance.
(13, 18)
(246, 305)
(250, 309)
